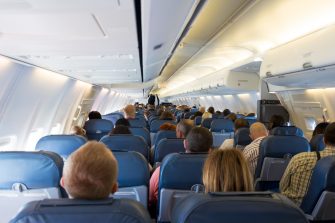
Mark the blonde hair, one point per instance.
(129, 111)
(77, 130)
(206, 115)
(226, 171)
(90, 172)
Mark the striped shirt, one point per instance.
(251, 153)
(296, 178)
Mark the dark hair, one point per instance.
(241, 123)
(226, 112)
(276, 121)
(199, 139)
(120, 129)
(211, 110)
(329, 135)
(232, 116)
(320, 128)
(94, 115)
(166, 115)
(122, 121)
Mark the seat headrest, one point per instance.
(323, 178)
(236, 208)
(287, 131)
(133, 169)
(167, 146)
(222, 124)
(181, 171)
(35, 170)
(73, 210)
(63, 145)
(98, 125)
(155, 124)
(242, 137)
(317, 143)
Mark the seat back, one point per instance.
(113, 117)
(138, 122)
(275, 153)
(163, 134)
(97, 128)
(27, 176)
(133, 177)
(222, 125)
(126, 143)
(167, 146)
(287, 131)
(207, 123)
(319, 199)
(242, 137)
(251, 120)
(143, 132)
(155, 124)
(63, 145)
(73, 210)
(236, 207)
(197, 120)
(317, 143)
(178, 173)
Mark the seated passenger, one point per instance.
(251, 152)
(196, 114)
(206, 115)
(129, 112)
(296, 178)
(226, 112)
(202, 109)
(276, 121)
(198, 140)
(166, 115)
(120, 129)
(183, 128)
(226, 171)
(232, 116)
(211, 110)
(94, 115)
(77, 130)
(320, 128)
(239, 123)
(167, 126)
(122, 121)
(90, 172)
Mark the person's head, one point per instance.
(202, 109)
(122, 121)
(168, 126)
(232, 116)
(206, 115)
(120, 129)
(240, 123)
(227, 171)
(94, 115)
(90, 172)
(198, 140)
(129, 111)
(257, 130)
(77, 130)
(329, 135)
(211, 110)
(226, 112)
(276, 121)
(166, 115)
(218, 112)
(183, 128)
(250, 115)
(320, 128)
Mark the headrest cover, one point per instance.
(33, 169)
(287, 131)
(94, 125)
(222, 124)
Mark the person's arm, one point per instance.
(153, 187)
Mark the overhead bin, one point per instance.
(307, 62)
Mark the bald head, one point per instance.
(257, 130)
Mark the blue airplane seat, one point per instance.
(287, 131)
(126, 143)
(155, 124)
(167, 146)
(138, 122)
(28, 176)
(113, 117)
(317, 143)
(178, 173)
(206, 123)
(236, 207)
(143, 132)
(84, 211)
(63, 145)
(197, 120)
(222, 125)
(163, 134)
(318, 202)
(133, 176)
(274, 155)
(251, 120)
(242, 137)
(97, 128)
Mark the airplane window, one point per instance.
(310, 123)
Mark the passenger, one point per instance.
(239, 123)
(218, 113)
(276, 121)
(232, 116)
(250, 115)
(199, 139)
(226, 112)
(94, 115)
(166, 115)
(320, 128)
(202, 109)
(206, 115)
(226, 171)
(211, 110)
(90, 172)
(120, 130)
(129, 112)
(196, 114)
(183, 128)
(167, 126)
(296, 179)
(77, 130)
(122, 121)
(251, 152)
